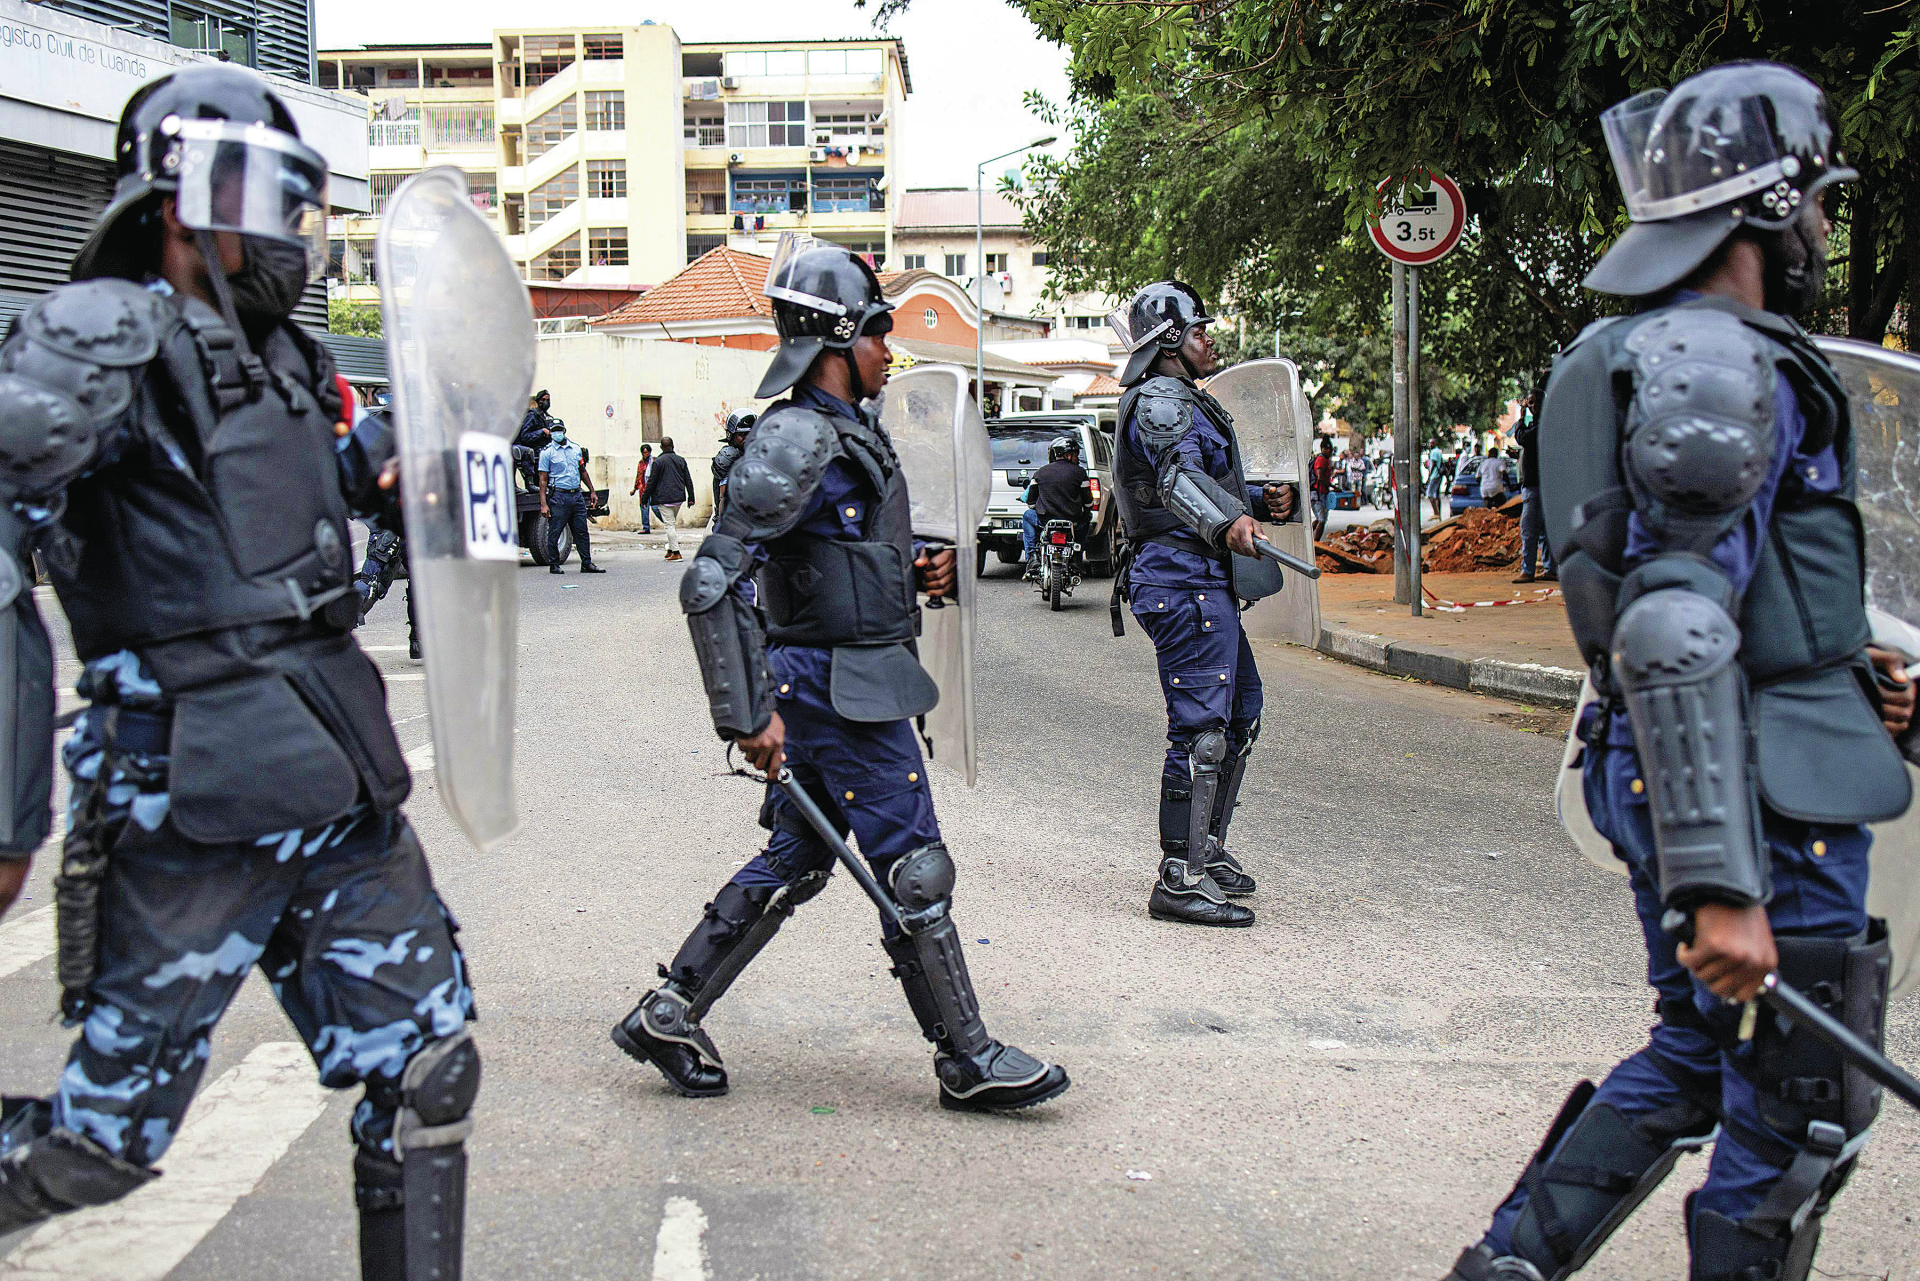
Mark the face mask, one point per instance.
(559, 438)
(268, 286)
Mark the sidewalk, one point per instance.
(1519, 651)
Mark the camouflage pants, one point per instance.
(343, 921)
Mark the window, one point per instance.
(329, 75)
(841, 125)
(191, 30)
(844, 62)
(703, 127)
(558, 262)
(996, 262)
(484, 190)
(763, 195)
(697, 245)
(606, 179)
(777, 62)
(1084, 322)
(1041, 257)
(606, 110)
(381, 187)
(846, 193)
(550, 197)
(358, 262)
(458, 124)
(956, 265)
(706, 191)
(603, 48)
(550, 130)
(607, 246)
(545, 57)
(913, 262)
(930, 318)
(394, 130)
(766, 124)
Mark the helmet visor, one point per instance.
(1120, 320)
(250, 179)
(1680, 156)
(780, 274)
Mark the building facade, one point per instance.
(610, 158)
(275, 36)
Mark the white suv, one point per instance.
(1019, 449)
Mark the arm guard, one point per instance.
(1675, 657)
(727, 637)
(26, 714)
(1199, 500)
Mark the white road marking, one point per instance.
(421, 757)
(239, 1126)
(680, 1252)
(26, 939)
(384, 649)
(404, 676)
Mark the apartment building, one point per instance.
(609, 158)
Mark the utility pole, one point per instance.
(1402, 432)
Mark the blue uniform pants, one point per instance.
(1207, 672)
(868, 777)
(569, 510)
(1819, 888)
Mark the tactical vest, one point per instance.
(1821, 752)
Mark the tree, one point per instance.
(1296, 108)
(357, 319)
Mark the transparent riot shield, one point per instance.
(942, 442)
(460, 346)
(1275, 429)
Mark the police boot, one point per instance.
(664, 1029)
(1189, 895)
(976, 1072)
(1477, 1263)
(1185, 891)
(46, 1170)
(1227, 873)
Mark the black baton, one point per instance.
(857, 869)
(1281, 558)
(1796, 1005)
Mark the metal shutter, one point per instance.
(142, 17)
(49, 201)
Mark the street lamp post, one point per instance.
(980, 268)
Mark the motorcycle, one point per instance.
(1381, 489)
(1060, 565)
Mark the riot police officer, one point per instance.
(812, 664)
(386, 561)
(1191, 517)
(739, 423)
(184, 460)
(1697, 466)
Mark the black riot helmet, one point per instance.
(824, 299)
(224, 145)
(1742, 145)
(1156, 321)
(1062, 447)
(739, 423)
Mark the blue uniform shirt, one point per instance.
(561, 463)
(1206, 449)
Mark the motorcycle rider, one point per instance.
(1698, 477)
(1058, 492)
(1186, 505)
(809, 664)
(185, 460)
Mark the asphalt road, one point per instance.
(1344, 1090)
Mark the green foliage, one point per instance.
(357, 319)
(1236, 144)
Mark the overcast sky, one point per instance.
(971, 60)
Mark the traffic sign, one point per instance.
(1421, 223)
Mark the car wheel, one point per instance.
(533, 536)
(980, 561)
(1009, 554)
(1099, 553)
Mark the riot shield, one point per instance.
(459, 333)
(942, 442)
(1275, 429)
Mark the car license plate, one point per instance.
(1005, 523)
(486, 484)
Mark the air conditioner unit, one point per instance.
(1005, 278)
(733, 157)
(729, 82)
(817, 155)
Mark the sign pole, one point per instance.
(1401, 433)
(1410, 493)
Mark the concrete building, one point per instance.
(64, 79)
(610, 158)
(934, 229)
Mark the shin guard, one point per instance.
(437, 1092)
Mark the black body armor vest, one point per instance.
(1821, 752)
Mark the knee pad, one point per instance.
(437, 1091)
(1208, 750)
(923, 878)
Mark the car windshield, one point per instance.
(1022, 448)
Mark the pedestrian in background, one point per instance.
(1357, 474)
(1533, 515)
(1493, 479)
(1320, 484)
(639, 489)
(1436, 478)
(563, 477)
(669, 486)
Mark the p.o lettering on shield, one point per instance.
(486, 484)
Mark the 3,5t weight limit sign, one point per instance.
(1420, 224)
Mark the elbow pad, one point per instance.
(728, 638)
(1675, 657)
(1201, 502)
(26, 715)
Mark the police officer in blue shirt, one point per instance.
(803, 612)
(1697, 469)
(565, 497)
(1188, 509)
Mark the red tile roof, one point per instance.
(1101, 385)
(718, 285)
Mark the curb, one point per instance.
(1437, 665)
